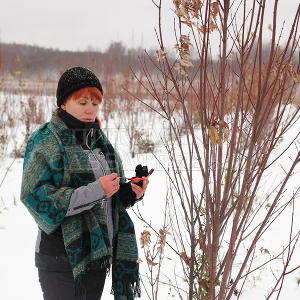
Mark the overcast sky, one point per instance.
(75, 25)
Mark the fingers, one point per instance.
(143, 188)
(110, 184)
(114, 176)
(115, 183)
(145, 182)
(136, 188)
(139, 191)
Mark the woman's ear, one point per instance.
(63, 107)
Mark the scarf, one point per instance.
(55, 165)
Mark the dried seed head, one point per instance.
(149, 259)
(161, 54)
(214, 9)
(213, 135)
(145, 238)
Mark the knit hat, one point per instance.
(73, 80)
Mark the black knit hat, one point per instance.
(74, 79)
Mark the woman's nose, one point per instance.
(90, 109)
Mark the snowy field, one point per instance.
(18, 275)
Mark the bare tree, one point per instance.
(226, 119)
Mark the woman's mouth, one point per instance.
(87, 120)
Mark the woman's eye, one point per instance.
(95, 104)
(82, 103)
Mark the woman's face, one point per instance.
(84, 108)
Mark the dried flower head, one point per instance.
(145, 238)
(207, 28)
(214, 9)
(149, 259)
(187, 9)
(218, 132)
(161, 54)
(213, 135)
(183, 49)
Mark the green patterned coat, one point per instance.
(54, 166)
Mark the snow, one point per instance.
(18, 275)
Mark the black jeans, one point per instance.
(57, 280)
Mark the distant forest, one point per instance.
(25, 62)
(18, 60)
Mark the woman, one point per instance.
(74, 187)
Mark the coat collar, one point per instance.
(64, 133)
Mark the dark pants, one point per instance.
(57, 281)
(60, 286)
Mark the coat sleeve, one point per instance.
(42, 192)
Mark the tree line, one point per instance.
(29, 61)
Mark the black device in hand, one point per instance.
(140, 171)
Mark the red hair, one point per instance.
(91, 92)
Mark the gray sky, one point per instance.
(75, 25)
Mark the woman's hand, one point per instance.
(140, 191)
(110, 184)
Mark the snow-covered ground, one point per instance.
(18, 276)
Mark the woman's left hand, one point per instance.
(139, 191)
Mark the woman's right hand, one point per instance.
(110, 184)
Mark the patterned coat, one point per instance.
(54, 166)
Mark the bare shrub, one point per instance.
(227, 119)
